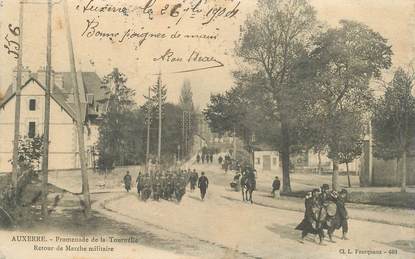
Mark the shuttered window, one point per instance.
(32, 105)
(32, 129)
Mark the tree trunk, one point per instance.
(397, 172)
(319, 162)
(404, 169)
(335, 176)
(285, 153)
(348, 175)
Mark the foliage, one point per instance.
(116, 143)
(30, 151)
(394, 117)
(274, 38)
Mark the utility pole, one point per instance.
(159, 99)
(183, 135)
(405, 140)
(148, 129)
(234, 143)
(370, 162)
(45, 156)
(18, 102)
(79, 119)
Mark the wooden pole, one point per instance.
(18, 101)
(159, 99)
(148, 129)
(45, 156)
(79, 119)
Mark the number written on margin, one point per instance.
(11, 45)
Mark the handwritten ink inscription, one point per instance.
(180, 10)
(170, 56)
(138, 17)
(12, 46)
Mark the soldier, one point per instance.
(163, 181)
(139, 182)
(341, 200)
(169, 186)
(220, 160)
(156, 187)
(179, 187)
(203, 184)
(310, 222)
(146, 191)
(127, 181)
(193, 179)
(325, 194)
(198, 158)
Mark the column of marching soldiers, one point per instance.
(168, 185)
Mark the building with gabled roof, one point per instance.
(63, 147)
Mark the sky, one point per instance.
(393, 19)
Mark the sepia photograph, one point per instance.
(186, 129)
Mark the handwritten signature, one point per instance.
(195, 57)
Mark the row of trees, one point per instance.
(301, 85)
(123, 130)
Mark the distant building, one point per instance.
(385, 172)
(63, 148)
(267, 161)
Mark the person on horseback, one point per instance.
(248, 184)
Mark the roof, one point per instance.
(89, 83)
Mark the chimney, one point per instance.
(26, 74)
(41, 77)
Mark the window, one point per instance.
(258, 161)
(32, 129)
(32, 104)
(274, 161)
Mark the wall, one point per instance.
(275, 161)
(62, 129)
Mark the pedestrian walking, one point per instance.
(203, 158)
(220, 160)
(127, 181)
(211, 158)
(198, 158)
(203, 184)
(139, 182)
(341, 200)
(276, 184)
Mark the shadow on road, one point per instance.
(285, 231)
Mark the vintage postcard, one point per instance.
(141, 129)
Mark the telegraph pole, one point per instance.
(18, 102)
(159, 99)
(148, 129)
(79, 119)
(45, 156)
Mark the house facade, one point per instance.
(63, 147)
(267, 161)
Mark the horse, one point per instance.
(247, 186)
